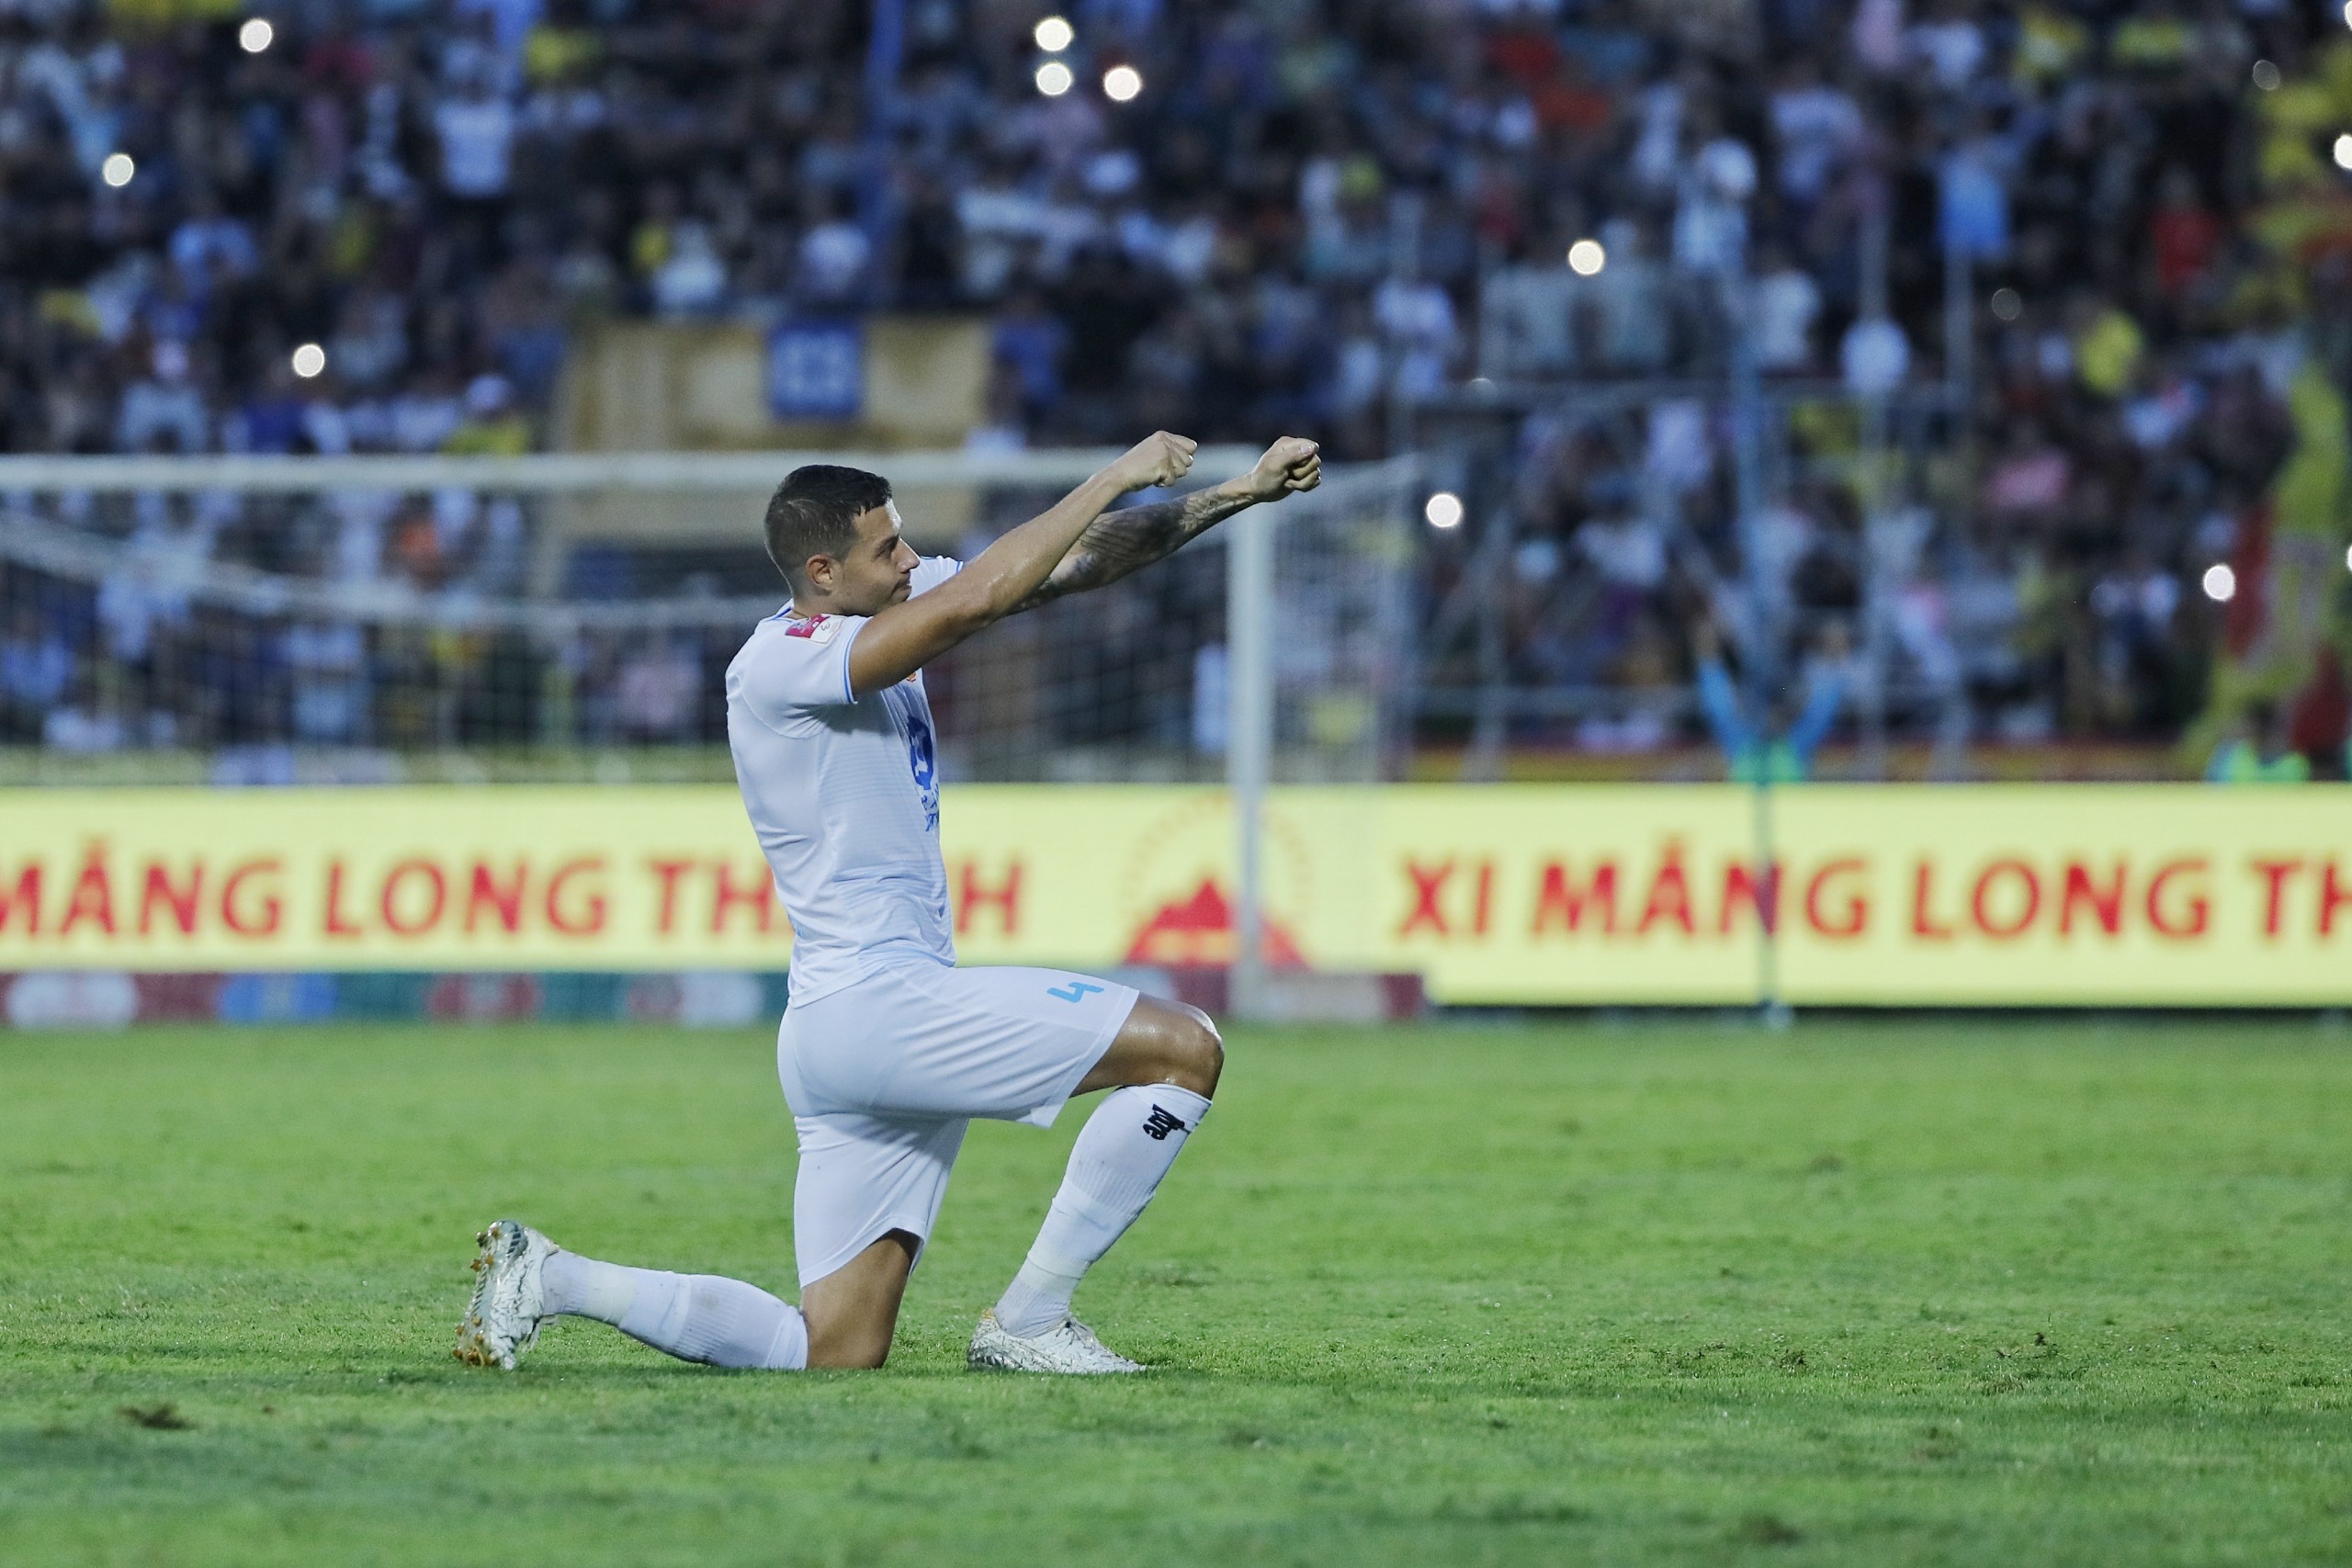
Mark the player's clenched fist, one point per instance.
(1291, 463)
(1159, 458)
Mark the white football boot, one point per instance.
(510, 1296)
(1069, 1347)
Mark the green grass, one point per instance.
(1862, 1293)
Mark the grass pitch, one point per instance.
(1861, 1293)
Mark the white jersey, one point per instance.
(843, 792)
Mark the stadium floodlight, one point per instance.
(2344, 151)
(2220, 583)
(255, 35)
(2008, 304)
(1587, 258)
(118, 169)
(1054, 34)
(2266, 75)
(310, 360)
(1054, 78)
(1443, 509)
(1122, 83)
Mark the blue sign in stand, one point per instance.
(817, 370)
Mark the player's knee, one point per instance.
(1197, 1052)
(1166, 1042)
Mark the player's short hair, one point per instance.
(814, 513)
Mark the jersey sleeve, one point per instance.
(802, 665)
(932, 571)
(797, 666)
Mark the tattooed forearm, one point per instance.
(1118, 542)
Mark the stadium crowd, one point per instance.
(1295, 222)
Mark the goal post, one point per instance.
(559, 617)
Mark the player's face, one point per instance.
(876, 571)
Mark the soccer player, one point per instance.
(887, 1049)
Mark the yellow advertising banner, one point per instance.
(428, 878)
(2162, 894)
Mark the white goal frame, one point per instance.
(1248, 540)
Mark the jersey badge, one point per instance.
(819, 629)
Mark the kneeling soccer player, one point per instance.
(887, 1050)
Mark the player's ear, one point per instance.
(819, 573)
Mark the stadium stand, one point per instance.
(1316, 217)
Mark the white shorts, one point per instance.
(883, 1075)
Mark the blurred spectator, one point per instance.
(1711, 205)
(273, 420)
(164, 409)
(691, 280)
(210, 248)
(491, 426)
(657, 691)
(1786, 304)
(835, 254)
(2184, 237)
(36, 667)
(2258, 753)
(327, 661)
(2030, 479)
(2107, 348)
(1779, 751)
(1817, 126)
(477, 134)
(86, 723)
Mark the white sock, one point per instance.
(696, 1317)
(1122, 1152)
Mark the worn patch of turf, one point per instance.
(1861, 1293)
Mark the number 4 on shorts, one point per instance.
(1073, 992)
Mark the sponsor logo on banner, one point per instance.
(1178, 909)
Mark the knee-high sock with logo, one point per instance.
(1122, 1152)
(695, 1318)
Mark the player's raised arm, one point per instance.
(1117, 543)
(904, 636)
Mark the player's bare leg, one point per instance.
(853, 1311)
(1161, 1070)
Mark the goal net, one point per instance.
(569, 618)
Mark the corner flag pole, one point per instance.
(1762, 673)
(1249, 741)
